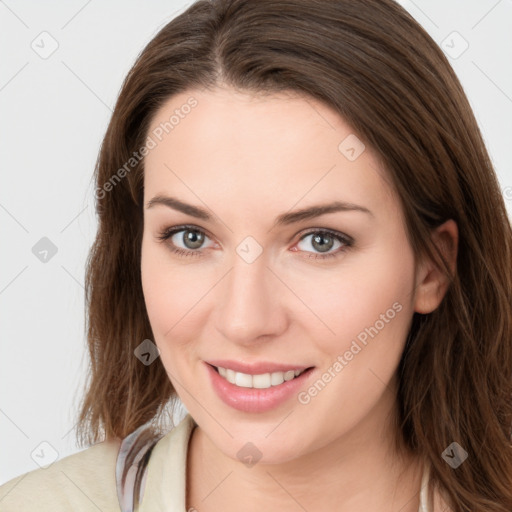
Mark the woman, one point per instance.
(301, 237)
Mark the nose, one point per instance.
(249, 303)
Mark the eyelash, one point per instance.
(340, 237)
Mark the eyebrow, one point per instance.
(282, 220)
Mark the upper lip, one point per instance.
(256, 368)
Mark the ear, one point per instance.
(431, 281)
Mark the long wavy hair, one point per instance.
(372, 63)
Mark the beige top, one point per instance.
(85, 481)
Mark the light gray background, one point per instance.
(54, 112)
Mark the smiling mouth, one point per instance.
(260, 381)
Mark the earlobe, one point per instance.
(431, 280)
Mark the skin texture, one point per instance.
(247, 159)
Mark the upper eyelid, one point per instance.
(184, 227)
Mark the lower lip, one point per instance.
(252, 399)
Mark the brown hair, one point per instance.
(371, 62)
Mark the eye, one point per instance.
(189, 240)
(323, 241)
(184, 240)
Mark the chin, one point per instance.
(250, 445)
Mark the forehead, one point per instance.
(260, 150)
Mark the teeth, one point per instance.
(289, 375)
(243, 380)
(230, 376)
(262, 381)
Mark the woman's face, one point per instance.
(257, 279)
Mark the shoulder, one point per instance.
(168, 464)
(83, 481)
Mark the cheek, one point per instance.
(369, 308)
(154, 286)
(369, 299)
(159, 295)
(171, 294)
